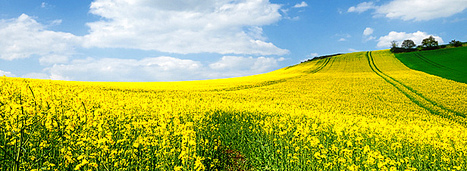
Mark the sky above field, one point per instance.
(177, 40)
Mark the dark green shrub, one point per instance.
(455, 43)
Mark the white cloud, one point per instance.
(53, 59)
(23, 37)
(368, 38)
(353, 50)
(362, 7)
(180, 26)
(36, 76)
(5, 73)
(342, 37)
(263, 64)
(417, 10)
(234, 66)
(368, 31)
(296, 18)
(56, 22)
(156, 69)
(256, 33)
(111, 69)
(310, 56)
(301, 5)
(367, 34)
(456, 20)
(421, 9)
(417, 37)
(286, 15)
(232, 63)
(314, 54)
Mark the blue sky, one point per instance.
(160, 40)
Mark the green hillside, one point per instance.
(449, 63)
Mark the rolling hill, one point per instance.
(450, 63)
(356, 111)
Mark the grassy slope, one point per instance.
(448, 63)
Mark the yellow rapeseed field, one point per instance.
(357, 111)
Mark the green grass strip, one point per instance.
(450, 63)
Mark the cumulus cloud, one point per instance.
(23, 37)
(417, 10)
(367, 34)
(162, 68)
(417, 37)
(6, 73)
(195, 26)
(301, 5)
(180, 26)
(232, 66)
(111, 69)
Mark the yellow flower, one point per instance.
(135, 144)
(95, 165)
(355, 109)
(178, 168)
(317, 155)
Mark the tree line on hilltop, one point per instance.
(429, 43)
(408, 45)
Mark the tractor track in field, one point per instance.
(416, 97)
(250, 86)
(437, 65)
(321, 66)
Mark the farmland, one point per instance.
(448, 63)
(357, 111)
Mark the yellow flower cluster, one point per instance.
(358, 111)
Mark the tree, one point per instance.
(455, 43)
(394, 46)
(408, 44)
(430, 43)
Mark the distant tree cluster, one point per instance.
(455, 43)
(408, 44)
(429, 43)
